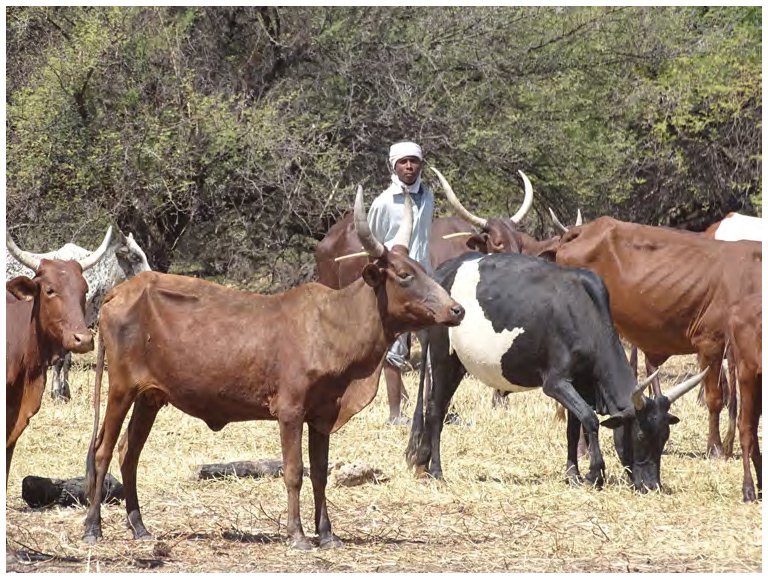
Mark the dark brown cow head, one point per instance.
(495, 235)
(412, 297)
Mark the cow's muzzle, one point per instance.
(80, 342)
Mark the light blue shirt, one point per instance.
(386, 214)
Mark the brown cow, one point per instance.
(745, 333)
(669, 291)
(311, 354)
(45, 316)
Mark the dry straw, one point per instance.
(503, 506)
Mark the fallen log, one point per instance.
(265, 468)
(40, 491)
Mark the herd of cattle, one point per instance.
(515, 312)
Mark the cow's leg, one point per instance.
(500, 399)
(564, 392)
(731, 387)
(650, 368)
(60, 378)
(713, 396)
(422, 394)
(749, 417)
(446, 376)
(145, 410)
(573, 435)
(318, 474)
(293, 470)
(8, 456)
(118, 404)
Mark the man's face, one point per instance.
(408, 169)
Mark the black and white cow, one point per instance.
(529, 324)
(123, 259)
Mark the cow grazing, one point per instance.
(736, 227)
(122, 259)
(311, 354)
(670, 291)
(529, 324)
(45, 315)
(745, 333)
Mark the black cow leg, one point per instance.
(573, 435)
(446, 376)
(318, 474)
(129, 448)
(564, 392)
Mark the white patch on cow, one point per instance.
(737, 227)
(475, 342)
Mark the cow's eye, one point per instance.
(49, 291)
(404, 275)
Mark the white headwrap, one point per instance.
(399, 151)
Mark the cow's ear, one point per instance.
(372, 275)
(548, 254)
(673, 419)
(613, 422)
(23, 288)
(477, 242)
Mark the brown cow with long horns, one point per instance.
(310, 355)
(45, 317)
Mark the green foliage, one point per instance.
(231, 138)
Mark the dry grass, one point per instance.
(504, 505)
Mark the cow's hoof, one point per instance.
(716, 452)
(300, 543)
(332, 542)
(399, 420)
(595, 480)
(142, 535)
(749, 495)
(91, 538)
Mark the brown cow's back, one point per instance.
(669, 291)
(249, 343)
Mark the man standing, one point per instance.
(384, 216)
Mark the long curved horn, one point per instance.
(637, 394)
(373, 246)
(93, 259)
(23, 257)
(578, 217)
(559, 225)
(457, 206)
(527, 200)
(403, 236)
(686, 386)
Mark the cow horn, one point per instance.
(686, 386)
(23, 257)
(637, 394)
(373, 246)
(559, 225)
(91, 260)
(457, 206)
(578, 217)
(403, 236)
(527, 200)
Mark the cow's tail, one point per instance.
(90, 461)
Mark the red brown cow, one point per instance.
(311, 354)
(670, 291)
(745, 333)
(45, 316)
